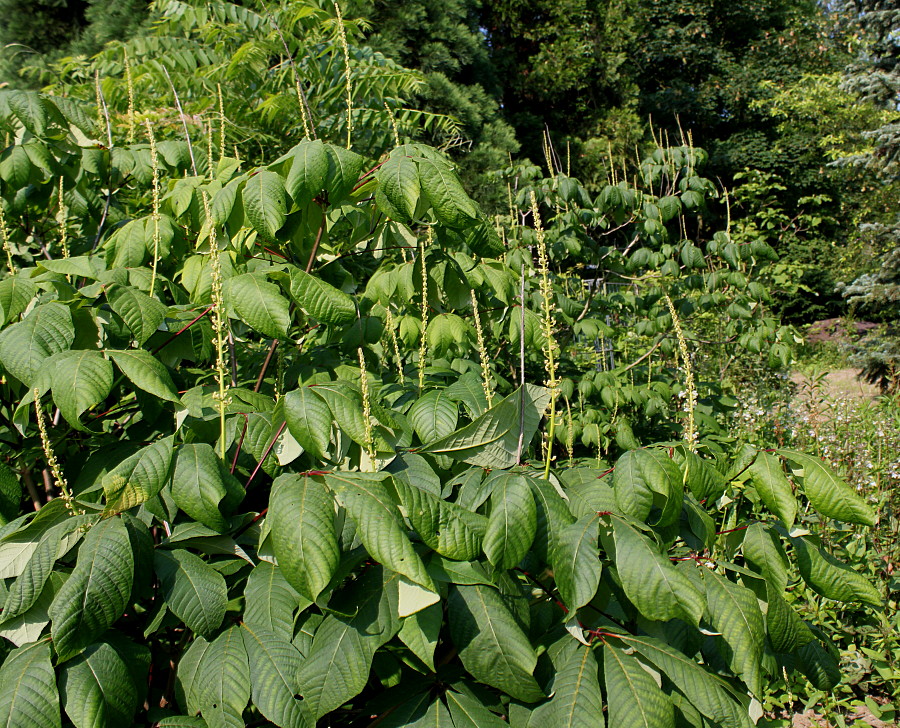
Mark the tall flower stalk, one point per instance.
(482, 354)
(690, 430)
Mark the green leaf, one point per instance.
(270, 601)
(146, 372)
(10, 495)
(492, 440)
(265, 205)
(398, 181)
(141, 313)
(647, 478)
(705, 691)
(193, 590)
(828, 494)
(831, 578)
(433, 416)
(28, 695)
(31, 110)
(301, 518)
(337, 665)
(97, 592)
(577, 700)
(657, 589)
(24, 346)
(309, 420)
(491, 644)
(224, 679)
(309, 169)
(635, 700)
(441, 185)
(80, 379)
(187, 676)
(786, 630)
(467, 713)
(379, 523)
(274, 664)
(552, 517)
(420, 632)
(198, 486)
(773, 487)
(576, 561)
(344, 168)
(97, 688)
(259, 304)
(15, 295)
(763, 551)
(450, 530)
(512, 523)
(138, 478)
(734, 612)
(321, 300)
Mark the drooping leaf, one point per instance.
(97, 592)
(434, 415)
(301, 517)
(646, 478)
(193, 590)
(80, 379)
(420, 631)
(308, 420)
(274, 663)
(24, 346)
(270, 602)
(576, 562)
(224, 679)
(773, 487)
(265, 206)
(657, 589)
(146, 372)
(309, 168)
(831, 578)
(468, 713)
(10, 495)
(198, 485)
(28, 694)
(512, 523)
(187, 676)
(259, 304)
(491, 645)
(440, 184)
(344, 168)
(398, 181)
(763, 550)
(379, 523)
(493, 439)
(830, 495)
(138, 478)
(635, 700)
(97, 688)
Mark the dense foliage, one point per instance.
(279, 422)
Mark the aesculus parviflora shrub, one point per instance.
(274, 491)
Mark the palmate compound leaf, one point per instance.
(46, 330)
(270, 601)
(379, 523)
(773, 487)
(138, 478)
(491, 645)
(828, 494)
(274, 664)
(194, 591)
(309, 419)
(656, 588)
(224, 679)
(734, 612)
(97, 688)
(28, 694)
(450, 530)
(648, 477)
(576, 561)
(259, 304)
(96, 593)
(512, 523)
(146, 372)
(496, 438)
(337, 665)
(301, 518)
(705, 691)
(635, 700)
(831, 578)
